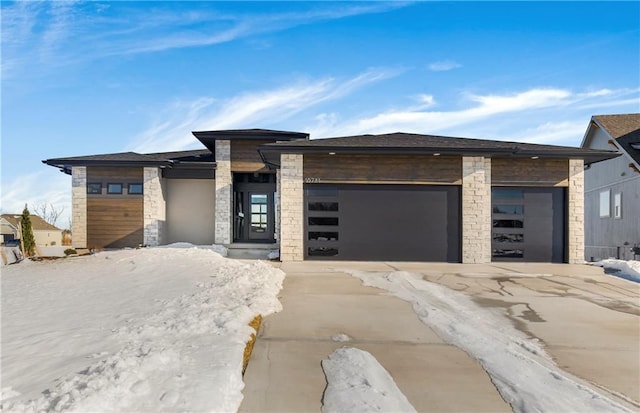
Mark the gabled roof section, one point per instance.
(161, 159)
(37, 223)
(209, 138)
(618, 125)
(409, 143)
(624, 131)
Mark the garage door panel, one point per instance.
(395, 223)
(538, 218)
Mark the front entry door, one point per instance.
(254, 219)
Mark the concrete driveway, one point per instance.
(589, 323)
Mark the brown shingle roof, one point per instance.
(411, 143)
(37, 223)
(625, 129)
(619, 125)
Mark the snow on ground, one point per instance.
(155, 329)
(629, 270)
(523, 373)
(356, 382)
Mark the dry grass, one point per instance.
(255, 324)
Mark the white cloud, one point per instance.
(172, 131)
(534, 115)
(62, 33)
(443, 66)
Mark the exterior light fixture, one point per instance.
(436, 154)
(332, 153)
(535, 157)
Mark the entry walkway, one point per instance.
(285, 375)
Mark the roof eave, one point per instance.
(592, 157)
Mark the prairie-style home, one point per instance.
(398, 196)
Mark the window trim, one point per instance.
(99, 192)
(605, 204)
(109, 192)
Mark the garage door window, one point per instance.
(323, 224)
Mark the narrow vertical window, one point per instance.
(605, 207)
(617, 205)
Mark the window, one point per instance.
(605, 206)
(94, 188)
(617, 205)
(114, 188)
(134, 189)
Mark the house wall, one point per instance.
(47, 238)
(190, 210)
(79, 206)
(476, 210)
(154, 207)
(245, 157)
(529, 172)
(224, 191)
(112, 221)
(605, 237)
(367, 169)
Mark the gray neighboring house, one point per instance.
(612, 189)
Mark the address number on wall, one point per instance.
(311, 180)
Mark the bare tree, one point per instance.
(48, 212)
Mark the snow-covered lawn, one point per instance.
(157, 329)
(629, 270)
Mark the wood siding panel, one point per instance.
(417, 169)
(114, 222)
(529, 172)
(103, 174)
(245, 156)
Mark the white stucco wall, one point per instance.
(190, 211)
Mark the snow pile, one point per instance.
(629, 270)
(356, 382)
(155, 329)
(10, 255)
(523, 373)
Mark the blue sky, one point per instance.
(82, 78)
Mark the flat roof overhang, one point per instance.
(270, 154)
(209, 138)
(67, 165)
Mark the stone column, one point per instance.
(575, 254)
(154, 208)
(79, 206)
(291, 208)
(476, 210)
(224, 184)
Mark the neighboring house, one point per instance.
(45, 234)
(612, 188)
(390, 197)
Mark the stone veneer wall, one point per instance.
(224, 183)
(291, 208)
(154, 209)
(476, 210)
(576, 212)
(79, 206)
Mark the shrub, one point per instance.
(70, 251)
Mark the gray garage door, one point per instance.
(528, 224)
(382, 222)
